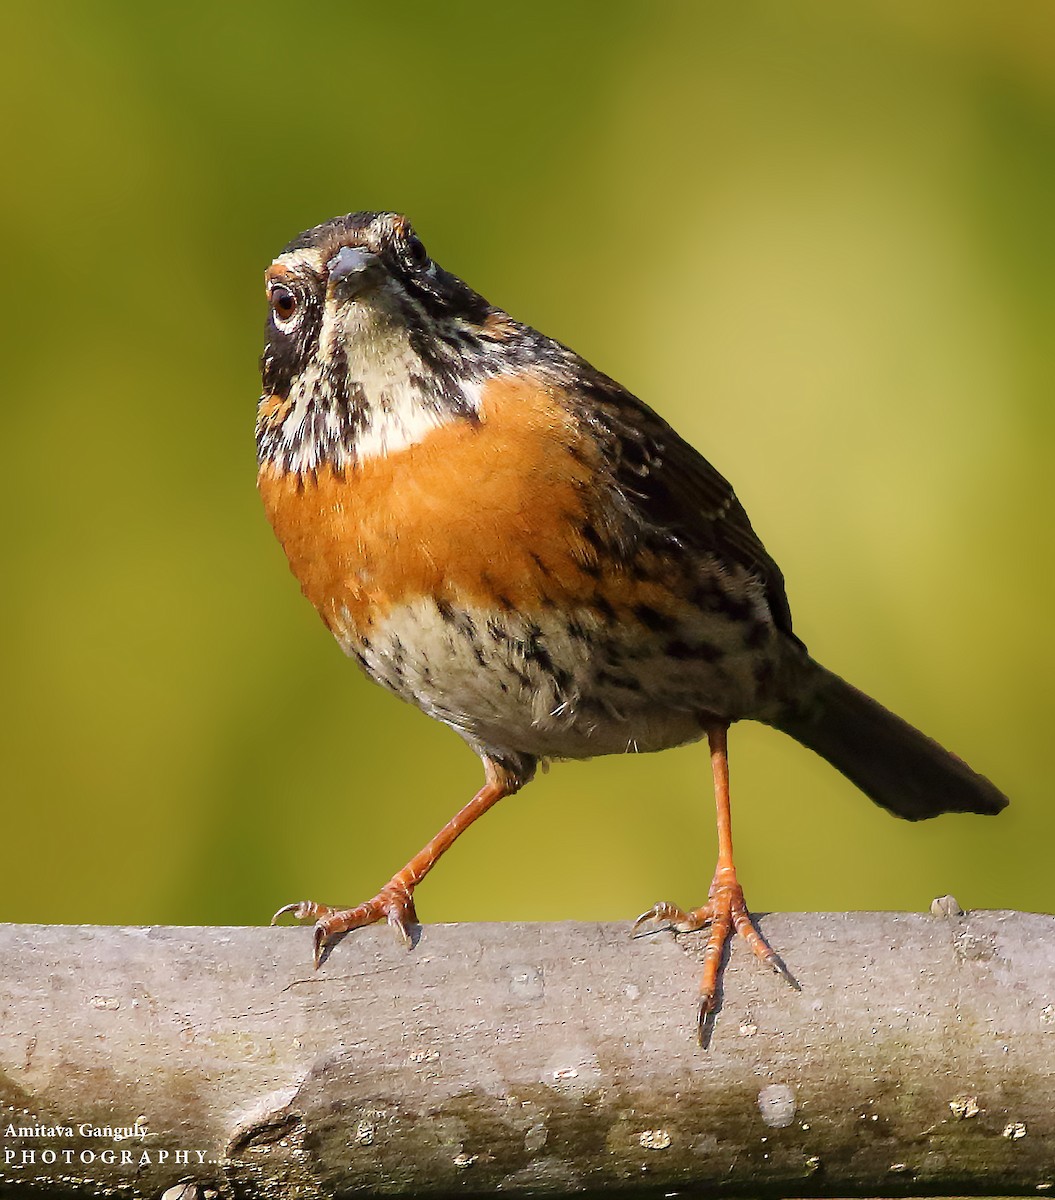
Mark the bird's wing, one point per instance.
(670, 487)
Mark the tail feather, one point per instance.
(890, 761)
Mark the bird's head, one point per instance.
(370, 344)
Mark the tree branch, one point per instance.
(918, 1058)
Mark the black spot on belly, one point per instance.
(626, 682)
(562, 680)
(654, 620)
(535, 652)
(458, 618)
(604, 608)
(524, 679)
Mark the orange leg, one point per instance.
(725, 909)
(395, 901)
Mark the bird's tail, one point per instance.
(891, 762)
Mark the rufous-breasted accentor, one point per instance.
(506, 537)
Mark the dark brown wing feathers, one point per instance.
(671, 487)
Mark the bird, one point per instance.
(507, 538)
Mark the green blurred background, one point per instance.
(818, 237)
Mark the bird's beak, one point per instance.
(352, 270)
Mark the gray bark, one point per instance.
(919, 1057)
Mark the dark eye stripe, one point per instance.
(290, 345)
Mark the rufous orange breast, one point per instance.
(490, 512)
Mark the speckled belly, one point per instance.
(556, 686)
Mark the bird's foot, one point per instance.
(724, 911)
(394, 903)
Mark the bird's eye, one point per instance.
(415, 254)
(283, 302)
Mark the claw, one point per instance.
(301, 909)
(676, 918)
(780, 969)
(394, 903)
(724, 912)
(398, 921)
(653, 914)
(705, 1022)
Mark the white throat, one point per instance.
(387, 384)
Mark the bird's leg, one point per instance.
(725, 909)
(395, 901)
